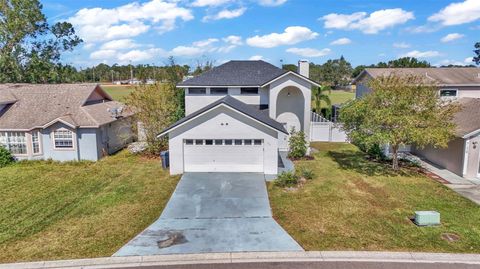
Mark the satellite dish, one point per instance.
(115, 112)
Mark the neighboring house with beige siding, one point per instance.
(462, 156)
(61, 121)
(452, 82)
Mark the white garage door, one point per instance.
(223, 155)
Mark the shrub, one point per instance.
(374, 151)
(286, 179)
(307, 173)
(298, 144)
(5, 157)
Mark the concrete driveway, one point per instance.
(214, 212)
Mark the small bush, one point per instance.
(286, 179)
(307, 173)
(374, 151)
(6, 157)
(298, 145)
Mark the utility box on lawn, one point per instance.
(165, 159)
(427, 218)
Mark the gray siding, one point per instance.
(361, 90)
(450, 158)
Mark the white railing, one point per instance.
(314, 117)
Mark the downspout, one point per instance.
(78, 143)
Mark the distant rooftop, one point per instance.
(443, 76)
(237, 73)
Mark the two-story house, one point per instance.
(62, 122)
(238, 118)
(462, 156)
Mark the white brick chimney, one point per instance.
(304, 68)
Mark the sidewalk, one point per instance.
(353, 258)
(467, 188)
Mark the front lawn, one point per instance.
(53, 210)
(355, 204)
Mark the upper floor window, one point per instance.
(448, 93)
(248, 90)
(197, 90)
(63, 139)
(14, 142)
(219, 91)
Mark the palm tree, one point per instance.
(319, 94)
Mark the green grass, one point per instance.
(118, 92)
(340, 96)
(53, 210)
(355, 204)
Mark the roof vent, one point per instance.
(115, 112)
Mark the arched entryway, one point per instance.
(290, 110)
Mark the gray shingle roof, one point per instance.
(237, 73)
(36, 105)
(251, 111)
(468, 119)
(443, 76)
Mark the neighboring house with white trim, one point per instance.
(238, 118)
(462, 156)
(61, 122)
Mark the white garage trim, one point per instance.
(223, 155)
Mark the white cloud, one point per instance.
(233, 39)
(401, 45)
(450, 62)
(140, 55)
(458, 13)
(103, 54)
(428, 28)
(468, 60)
(371, 24)
(272, 3)
(291, 35)
(119, 44)
(99, 24)
(421, 54)
(256, 58)
(205, 43)
(210, 3)
(309, 52)
(226, 14)
(341, 41)
(186, 51)
(451, 37)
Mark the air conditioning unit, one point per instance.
(427, 218)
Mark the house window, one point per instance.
(63, 139)
(197, 90)
(238, 142)
(189, 142)
(218, 142)
(36, 142)
(14, 142)
(448, 93)
(249, 91)
(209, 142)
(257, 142)
(247, 142)
(199, 142)
(219, 91)
(228, 142)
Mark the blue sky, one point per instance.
(365, 32)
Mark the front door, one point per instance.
(473, 163)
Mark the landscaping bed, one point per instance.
(52, 210)
(356, 204)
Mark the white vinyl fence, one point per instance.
(324, 130)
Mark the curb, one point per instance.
(254, 257)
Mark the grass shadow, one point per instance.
(359, 162)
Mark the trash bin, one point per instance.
(165, 159)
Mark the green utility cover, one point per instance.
(427, 218)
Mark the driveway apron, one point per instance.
(214, 212)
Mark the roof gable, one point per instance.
(236, 105)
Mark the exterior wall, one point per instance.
(472, 92)
(194, 102)
(239, 127)
(115, 136)
(361, 90)
(291, 81)
(450, 158)
(472, 163)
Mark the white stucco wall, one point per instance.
(209, 126)
(194, 102)
(291, 81)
